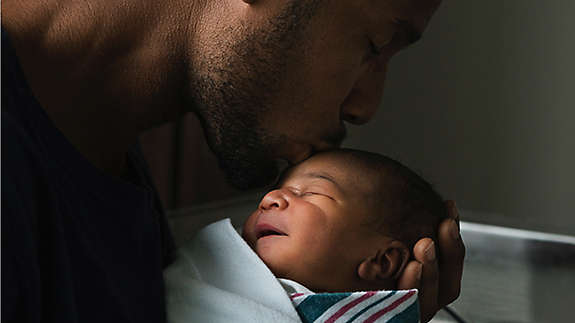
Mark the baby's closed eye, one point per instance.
(312, 193)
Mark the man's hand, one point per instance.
(438, 280)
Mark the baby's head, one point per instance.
(344, 220)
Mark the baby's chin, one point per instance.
(269, 250)
(272, 260)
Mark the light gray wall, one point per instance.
(484, 107)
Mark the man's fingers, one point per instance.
(424, 252)
(411, 276)
(452, 254)
(437, 289)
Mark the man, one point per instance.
(83, 236)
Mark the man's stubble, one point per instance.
(237, 85)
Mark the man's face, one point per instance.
(279, 79)
(312, 229)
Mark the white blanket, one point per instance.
(217, 277)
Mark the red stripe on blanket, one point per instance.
(349, 306)
(392, 306)
(292, 296)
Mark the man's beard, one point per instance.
(235, 88)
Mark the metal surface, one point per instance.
(515, 276)
(510, 275)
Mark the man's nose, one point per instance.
(362, 102)
(275, 199)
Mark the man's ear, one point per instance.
(387, 263)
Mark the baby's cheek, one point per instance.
(277, 256)
(272, 259)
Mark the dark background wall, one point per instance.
(484, 106)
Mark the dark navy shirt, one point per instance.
(77, 245)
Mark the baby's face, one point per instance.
(312, 229)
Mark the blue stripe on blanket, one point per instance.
(314, 306)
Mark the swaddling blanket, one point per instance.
(366, 307)
(371, 306)
(217, 277)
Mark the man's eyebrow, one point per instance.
(413, 35)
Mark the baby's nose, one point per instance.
(274, 199)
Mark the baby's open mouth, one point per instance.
(266, 230)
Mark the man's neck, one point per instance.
(104, 71)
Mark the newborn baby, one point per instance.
(344, 220)
(341, 221)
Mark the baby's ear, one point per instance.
(388, 263)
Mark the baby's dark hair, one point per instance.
(407, 207)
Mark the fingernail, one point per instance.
(454, 230)
(430, 252)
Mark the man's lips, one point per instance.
(265, 230)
